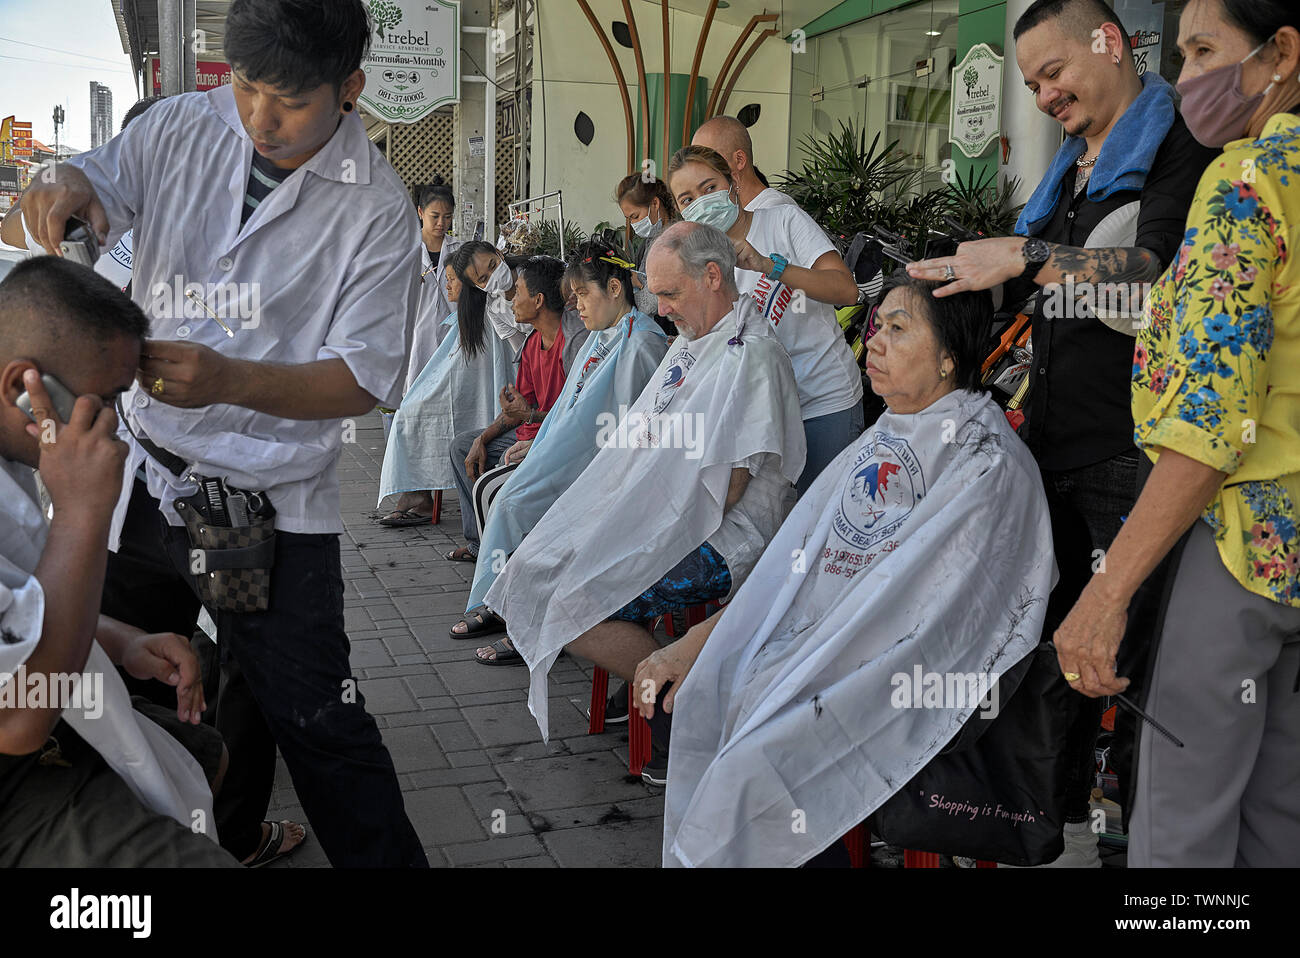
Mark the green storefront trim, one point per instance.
(678, 84)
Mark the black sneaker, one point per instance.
(616, 707)
(655, 771)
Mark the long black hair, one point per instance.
(592, 263)
(471, 307)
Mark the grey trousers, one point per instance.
(1224, 683)
(464, 488)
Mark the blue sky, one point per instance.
(50, 50)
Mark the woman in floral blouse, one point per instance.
(1216, 405)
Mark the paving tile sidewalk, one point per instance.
(481, 787)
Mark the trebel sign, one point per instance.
(976, 117)
(414, 62)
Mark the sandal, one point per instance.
(404, 517)
(478, 622)
(460, 555)
(505, 655)
(271, 850)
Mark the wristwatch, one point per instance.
(779, 263)
(1036, 253)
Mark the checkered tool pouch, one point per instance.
(231, 533)
(231, 565)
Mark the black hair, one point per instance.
(297, 45)
(962, 324)
(590, 264)
(1260, 19)
(471, 306)
(1082, 17)
(138, 108)
(542, 274)
(58, 295)
(436, 191)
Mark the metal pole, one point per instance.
(189, 47)
(169, 46)
(489, 138)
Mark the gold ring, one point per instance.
(1071, 676)
(157, 387)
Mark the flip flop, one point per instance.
(505, 655)
(464, 557)
(404, 517)
(482, 625)
(271, 850)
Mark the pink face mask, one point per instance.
(1214, 108)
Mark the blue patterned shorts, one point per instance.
(701, 576)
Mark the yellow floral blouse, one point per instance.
(1216, 368)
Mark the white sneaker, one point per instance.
(1080, 849)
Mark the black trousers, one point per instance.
(1087, 507)
(285, 681)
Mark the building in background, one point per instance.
(101, 114)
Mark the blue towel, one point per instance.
(1125, 160)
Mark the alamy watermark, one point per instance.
(81, 692)
(920, 689)
(651, 430)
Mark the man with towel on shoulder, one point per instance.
(685, 494)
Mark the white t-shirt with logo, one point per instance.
(115, 265)
(824, 368)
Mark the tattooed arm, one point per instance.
(1112, 282)
(986, 263)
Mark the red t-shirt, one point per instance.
(541, 378)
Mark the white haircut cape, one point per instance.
(451, 394)
(787, 731)
(607, 377)
(655, 492)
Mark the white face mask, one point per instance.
(645, 229)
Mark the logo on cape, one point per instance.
(593, 360)
(673, 378)
(883, 486)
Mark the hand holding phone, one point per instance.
(60, 395)
(80, 457)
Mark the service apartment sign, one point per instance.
(976, 117)
(414, 64)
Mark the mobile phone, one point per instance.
(80, 245)
(60, 395)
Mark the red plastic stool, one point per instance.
(437, 506)
(915, 859)
(638, 729)
(858, 841)
(693, 616)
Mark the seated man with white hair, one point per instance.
(684, 495)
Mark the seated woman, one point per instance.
(923, 546)
(457, 390)
(650, 210)
(622, 352)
